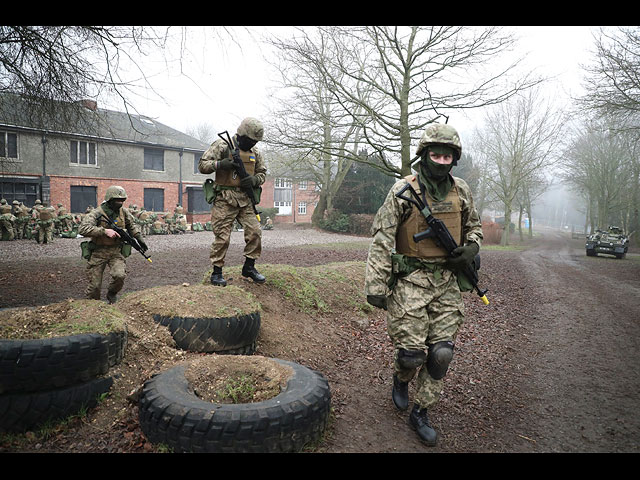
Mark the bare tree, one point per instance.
(518, 140)
(613, 80)
(413, 77)
(52, 67)
(308, 126)
(603, 169)
(204, 131)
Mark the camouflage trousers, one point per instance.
(101, 258)
(424, 308)
(6, 228)
(45, 231)
(223, 214)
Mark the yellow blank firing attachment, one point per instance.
(152, 262)
(484, 300)
(258, 217)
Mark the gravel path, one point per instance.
(277, 238)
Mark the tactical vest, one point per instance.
(229, 178)
(103, 239)
(5, 208)
(449, 211)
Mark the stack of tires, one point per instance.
(170, 413)
(49, 379)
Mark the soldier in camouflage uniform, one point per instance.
(7, 221)
(21, 212)
(105, 247)
(419, 286)
(45, 222)
(231, 203)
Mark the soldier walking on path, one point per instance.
(419, 286)
(105, 247)
(230, 202)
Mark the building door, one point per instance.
(154, 199)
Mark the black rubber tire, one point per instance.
(171, 414)
(50, 363)
(214, 335)
(21, 412)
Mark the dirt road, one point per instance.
(551, 365)
(584, 349)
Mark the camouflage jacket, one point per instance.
(391, 214)
(93, 226)
(218, 151)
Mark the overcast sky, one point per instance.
(220, 86)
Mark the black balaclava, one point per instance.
(245, 143)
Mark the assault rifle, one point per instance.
(124, 235)
(440, 233)
(241, 171)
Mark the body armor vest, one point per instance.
(449, 211)
(119, 221)
(229, 178)
(5, 209)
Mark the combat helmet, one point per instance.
(252, 128)
(115, 191)
(441, 134)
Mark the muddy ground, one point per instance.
(550, 365)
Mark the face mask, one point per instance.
(245, 143)
(435, 170)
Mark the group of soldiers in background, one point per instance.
(42, 223)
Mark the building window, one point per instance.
(282, 183)
(302, 208)
(83, 196)
(25, 192)
(82, 153)
(8, 145)
(302, 185)
(154, 199)
(196, 160)
(154, 159)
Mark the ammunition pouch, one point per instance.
(125, 250)
(87, 249)
(210, 192)
(402, 265)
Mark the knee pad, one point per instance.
(438, 359)
(411, 358)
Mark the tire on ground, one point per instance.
(171, 414)
(21, 412)
(51, 363)
(230, 335)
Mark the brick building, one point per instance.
(157, 165)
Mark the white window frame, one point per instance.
(302, 208)
(302, 185)
(88, 149)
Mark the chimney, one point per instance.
(89, 104)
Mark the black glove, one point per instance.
(462, 256)
(378, 301)
(249, 181)
(225, 164)
(142, 244)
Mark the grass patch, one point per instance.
(70, 317)
(322, 288)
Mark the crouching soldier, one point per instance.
(105, 247)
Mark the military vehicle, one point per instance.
(611, 242)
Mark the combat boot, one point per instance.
(216, 277)
(400, 393)
(249, 271)
(111, 298)
(419, 421)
